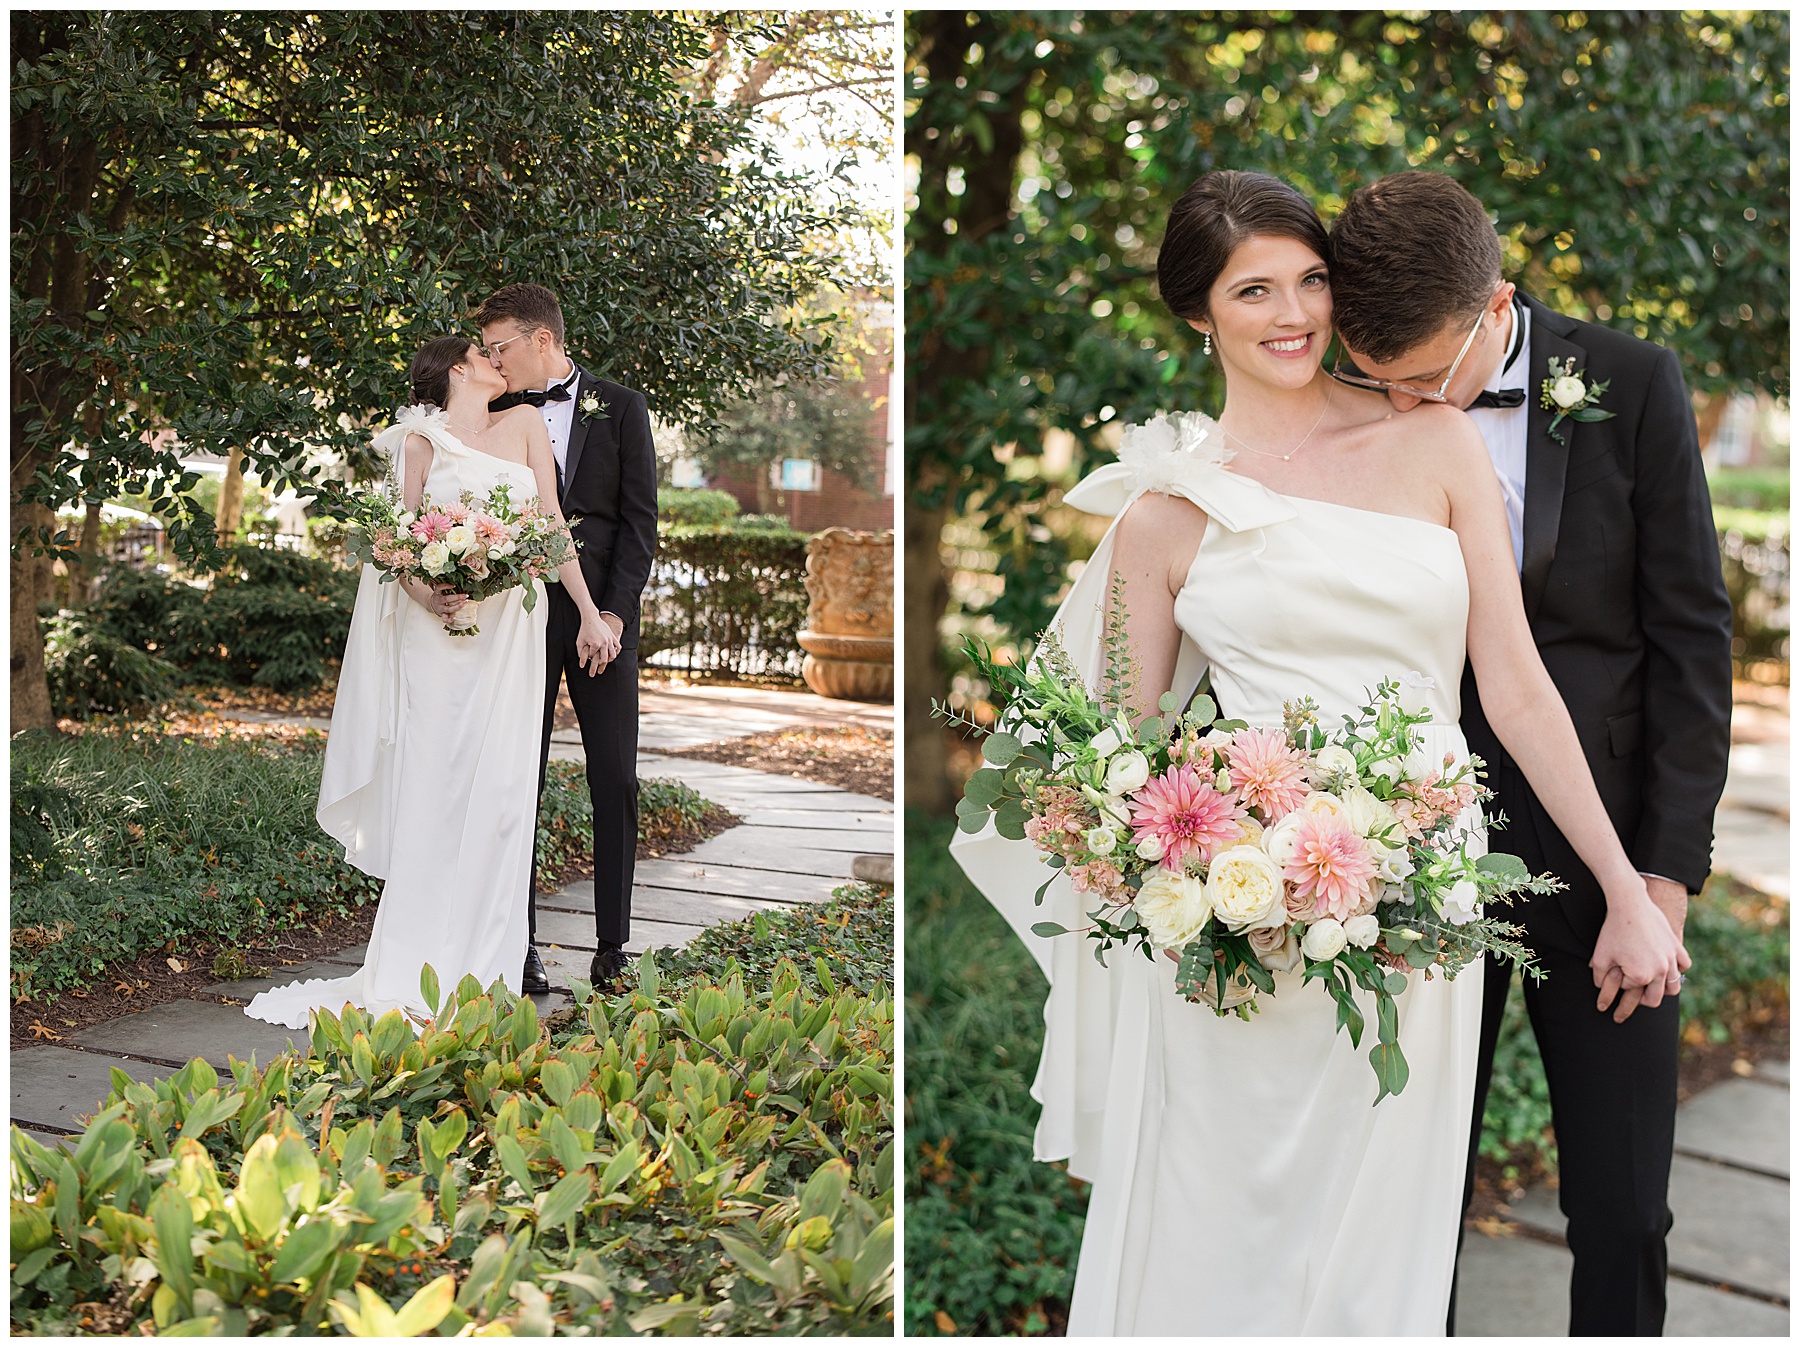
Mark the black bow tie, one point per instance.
(558, 393)
(1506, 397)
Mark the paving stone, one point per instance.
(836, 819)
(771, 851)
(330, 967)
(184, 1029)
(1758, 777)
(564, 960)
(1511, 1288)
(735, 880)
(1773, 1068)
(61, 1087)
(1752, 845)
(1729, 1226)
(682, 908)
(1707, 1312)
(1742, 1120)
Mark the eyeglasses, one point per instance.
(489, 352)
(1441, 393)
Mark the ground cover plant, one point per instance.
(709, 1155)
(127, 840)
(992, 1235)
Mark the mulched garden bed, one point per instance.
(851, 757)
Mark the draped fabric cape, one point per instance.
(356, 802)
(1080, 1069)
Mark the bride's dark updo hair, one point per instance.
(1212, 218)
(432, 365)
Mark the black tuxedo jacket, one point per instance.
(609, 496)
(1624, 594)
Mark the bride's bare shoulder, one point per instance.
(1158, 514)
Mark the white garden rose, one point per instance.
(1244, 887)
(1368, 814)
(459, 539)
(1322, 802)
(1567, 391)
(1362, 931)
(1173, 908)
(1126, 773)
(435, 558)
(1324, 939)
(1150, 848)
(1101, 841)
(1278, 841)
(1463, 903)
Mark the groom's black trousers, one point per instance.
(606, 706)
(1612, 1099)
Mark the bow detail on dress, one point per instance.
(1180, 455)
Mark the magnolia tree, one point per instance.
(1637, 164)
(231, 231)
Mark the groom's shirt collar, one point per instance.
(1506, 430)
(565, 381)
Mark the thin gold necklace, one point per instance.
(1303, 439)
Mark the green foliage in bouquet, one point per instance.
(712, 1160)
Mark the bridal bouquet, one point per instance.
(1247, 852)
(480, 546)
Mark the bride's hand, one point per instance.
(1638, 959)
(596, 645)
(440, 599)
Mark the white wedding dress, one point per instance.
(1243, 1184)
(431, 769)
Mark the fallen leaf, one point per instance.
(945, 1324)
(1742, 1067)
(39, 1030)
(123, 988)
(176, 965)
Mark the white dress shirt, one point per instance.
(1505, 429)
(559, 419)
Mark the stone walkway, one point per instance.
(795, 845)
(1729, 1188)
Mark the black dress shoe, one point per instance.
(535, 979)
(608, 967)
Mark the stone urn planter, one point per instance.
(849, 632)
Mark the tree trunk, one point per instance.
(231, 499)
(928, 785)
(30, 581)
(87, 565)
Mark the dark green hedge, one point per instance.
(726, 598)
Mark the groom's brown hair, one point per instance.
(530, 306)
(1410, 254)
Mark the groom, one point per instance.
(606, 473)
(1612, 532)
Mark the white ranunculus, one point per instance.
(1324, 939)
(1173, 908)
(1106, 743)
(435, 558)
(1278, 841)
(1101, 841)
(1367, 812)
(1127, 772)
(1332, 760)
(1463, 903)
(1567, 391)
(1362, 931)
(1150, 848)
(1244, 888)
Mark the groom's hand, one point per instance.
(1639, 957)
(597, 644)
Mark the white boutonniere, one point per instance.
(1571, 396)
(592, 407)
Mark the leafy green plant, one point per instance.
(672, 1158)
(92, 671)
(847, 941)
(677, 506)
(733, 597)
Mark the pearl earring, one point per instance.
(1205, 342)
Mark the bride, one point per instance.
(430, 778)
(1243, 1184)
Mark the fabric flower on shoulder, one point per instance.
(1160, 450)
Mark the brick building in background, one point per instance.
(820, 498)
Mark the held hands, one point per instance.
(597, 643)
(1639, 958)
(440, 599)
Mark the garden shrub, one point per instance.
(91, 671)
(125, 840)
(731, 598)
(677, 505)
(683, 1160)
(1756, 554)
(848, 940)
(271, 617)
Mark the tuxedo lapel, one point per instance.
(579, 429)
(1546, 460)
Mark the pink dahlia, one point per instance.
(1330, 861)
(1266, 772)
(432, 526)
(490, 530)
(1181, 810)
